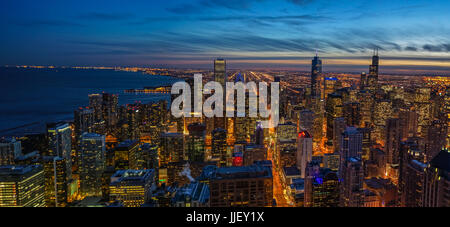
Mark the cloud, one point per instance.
(437, 48)
(410, 48)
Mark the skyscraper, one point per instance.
(316, 71)
(372, 78)
(220, 71)
(21, 186)
(437, 184)
(10, 149)
(321, 186)
(220, 75)
(60, 144)
(352, 175)
(56, 184)
(219, 146)
(92, 163)
(304, 151)
(196, 142)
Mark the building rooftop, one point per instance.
(240, 172)
(17, 172)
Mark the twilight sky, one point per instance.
(412, 35)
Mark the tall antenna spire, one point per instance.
(317, 53)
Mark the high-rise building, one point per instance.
(21, 186)
(92, 163)
(321, 187)
(333, 111)
(110, 104)
(125, 155)
(132, 188)
(196, 142)
(172, 148)
(254, 152)
(352, 113)
(10, 149)
(220, 76)
(306, 120)
(304, 151)
(316, 74)
(56, 184)
(60, 144)
(351, 145)
(363, 81)
(95, 103)
(246, 186)
(372, 78)
(393, 139)
(351, 187)
(84, 119)
(219, 146)
(437, 183)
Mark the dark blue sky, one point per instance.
(411, 35)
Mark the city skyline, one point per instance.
(411, 35)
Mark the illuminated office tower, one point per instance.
(110, 104)
(329, 85)
(437, 184)
(333, 111)
(422, 106)
(220, 71)
(125, 155)
(409, 120)
(366, 142)
(352, 113)
(172, 148)
(321, 186)
(351, 187)
(372, 78)
(254, 153)
(287, 132)
(240, 129)
(339, 127)
(219, 146)
(304, 151)
(10, 149)
(367, 102)
(436, 139)
(363, 81)
(393, 136)
(220, 76)
(84, 119)
(95, 103)
(196, 142)
(306, 120)
(21, 186)
(132, 188)
(92, 163)
(56, 185)
(148, 156)
(351, 145)
(316, 74)
(412, 178)
(60, 144)
(259, 134)
(382, 111)
(243, 186)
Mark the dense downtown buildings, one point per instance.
(342, 140)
